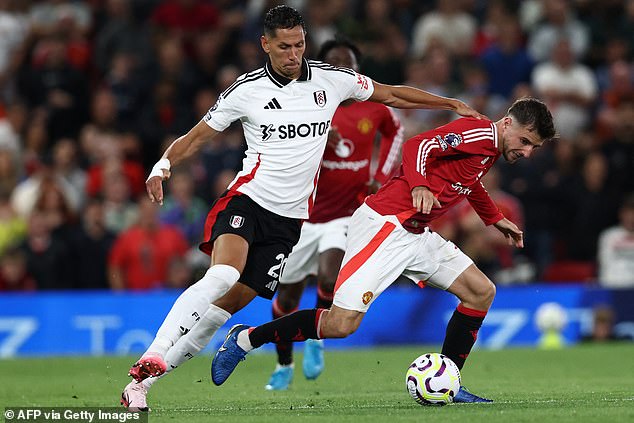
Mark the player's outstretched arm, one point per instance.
(510, 230)
(182, 148)
(404, 97)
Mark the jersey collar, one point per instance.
(282, 81)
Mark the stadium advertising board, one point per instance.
(105, 323)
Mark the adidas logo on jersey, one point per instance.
(273, 104)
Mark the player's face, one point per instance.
(518, 141)
(286, 50)
(342, 57)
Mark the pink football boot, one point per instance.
(134, 396)
(150, 365)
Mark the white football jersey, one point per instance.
(285, 125)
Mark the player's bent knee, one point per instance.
(288, 296)
(488, 294)
(474, 289)
(238, 296)
(327, 282)
(483, 294)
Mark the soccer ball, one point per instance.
(433, 379)
(551, 316)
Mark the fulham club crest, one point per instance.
(236, 221)
(320, 98)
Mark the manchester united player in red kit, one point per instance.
(389, 236)
(344, 182)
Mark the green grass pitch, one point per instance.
(592, 383)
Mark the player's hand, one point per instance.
(512, 233)
(465, 110)
(154, 186)
(333, 137)
(424, 200)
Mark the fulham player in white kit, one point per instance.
(286, 109)
(344, 181)
(389, 235)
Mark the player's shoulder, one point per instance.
(468, 126)
(326, 70)
(481, 132)
(468, 123)
(244, 81)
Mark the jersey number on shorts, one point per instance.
(275, 271)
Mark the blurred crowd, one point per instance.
(92, 91)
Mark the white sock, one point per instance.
(191, 305)
(284, 366)
(243, 341)
(196, 339)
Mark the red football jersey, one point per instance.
(345, 169)
(449, 160)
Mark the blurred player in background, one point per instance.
(344, 182)
(389, 237)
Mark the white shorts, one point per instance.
(379, 250)
(315, 238)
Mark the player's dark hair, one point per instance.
(534, 115)
(336, 43)
(282, 17)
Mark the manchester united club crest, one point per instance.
(364, 125)
(236, 221)
(320, 98)
(367, 297)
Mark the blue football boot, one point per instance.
(465, 396)
(281, 378)
(228, 356)
(313, 363)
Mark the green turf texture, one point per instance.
(590, 383)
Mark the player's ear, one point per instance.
(265, 44)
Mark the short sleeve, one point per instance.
(356, 86)
(224, 112)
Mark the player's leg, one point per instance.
(285, 302)
(265, 263)
(229, 230)
(378, 252)
(230, 253)
(453, 271)
(476, 293)
(301, 266)
(332, 245)
(228, 260)
(329, 264)
(295, 327)
(253, 282)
